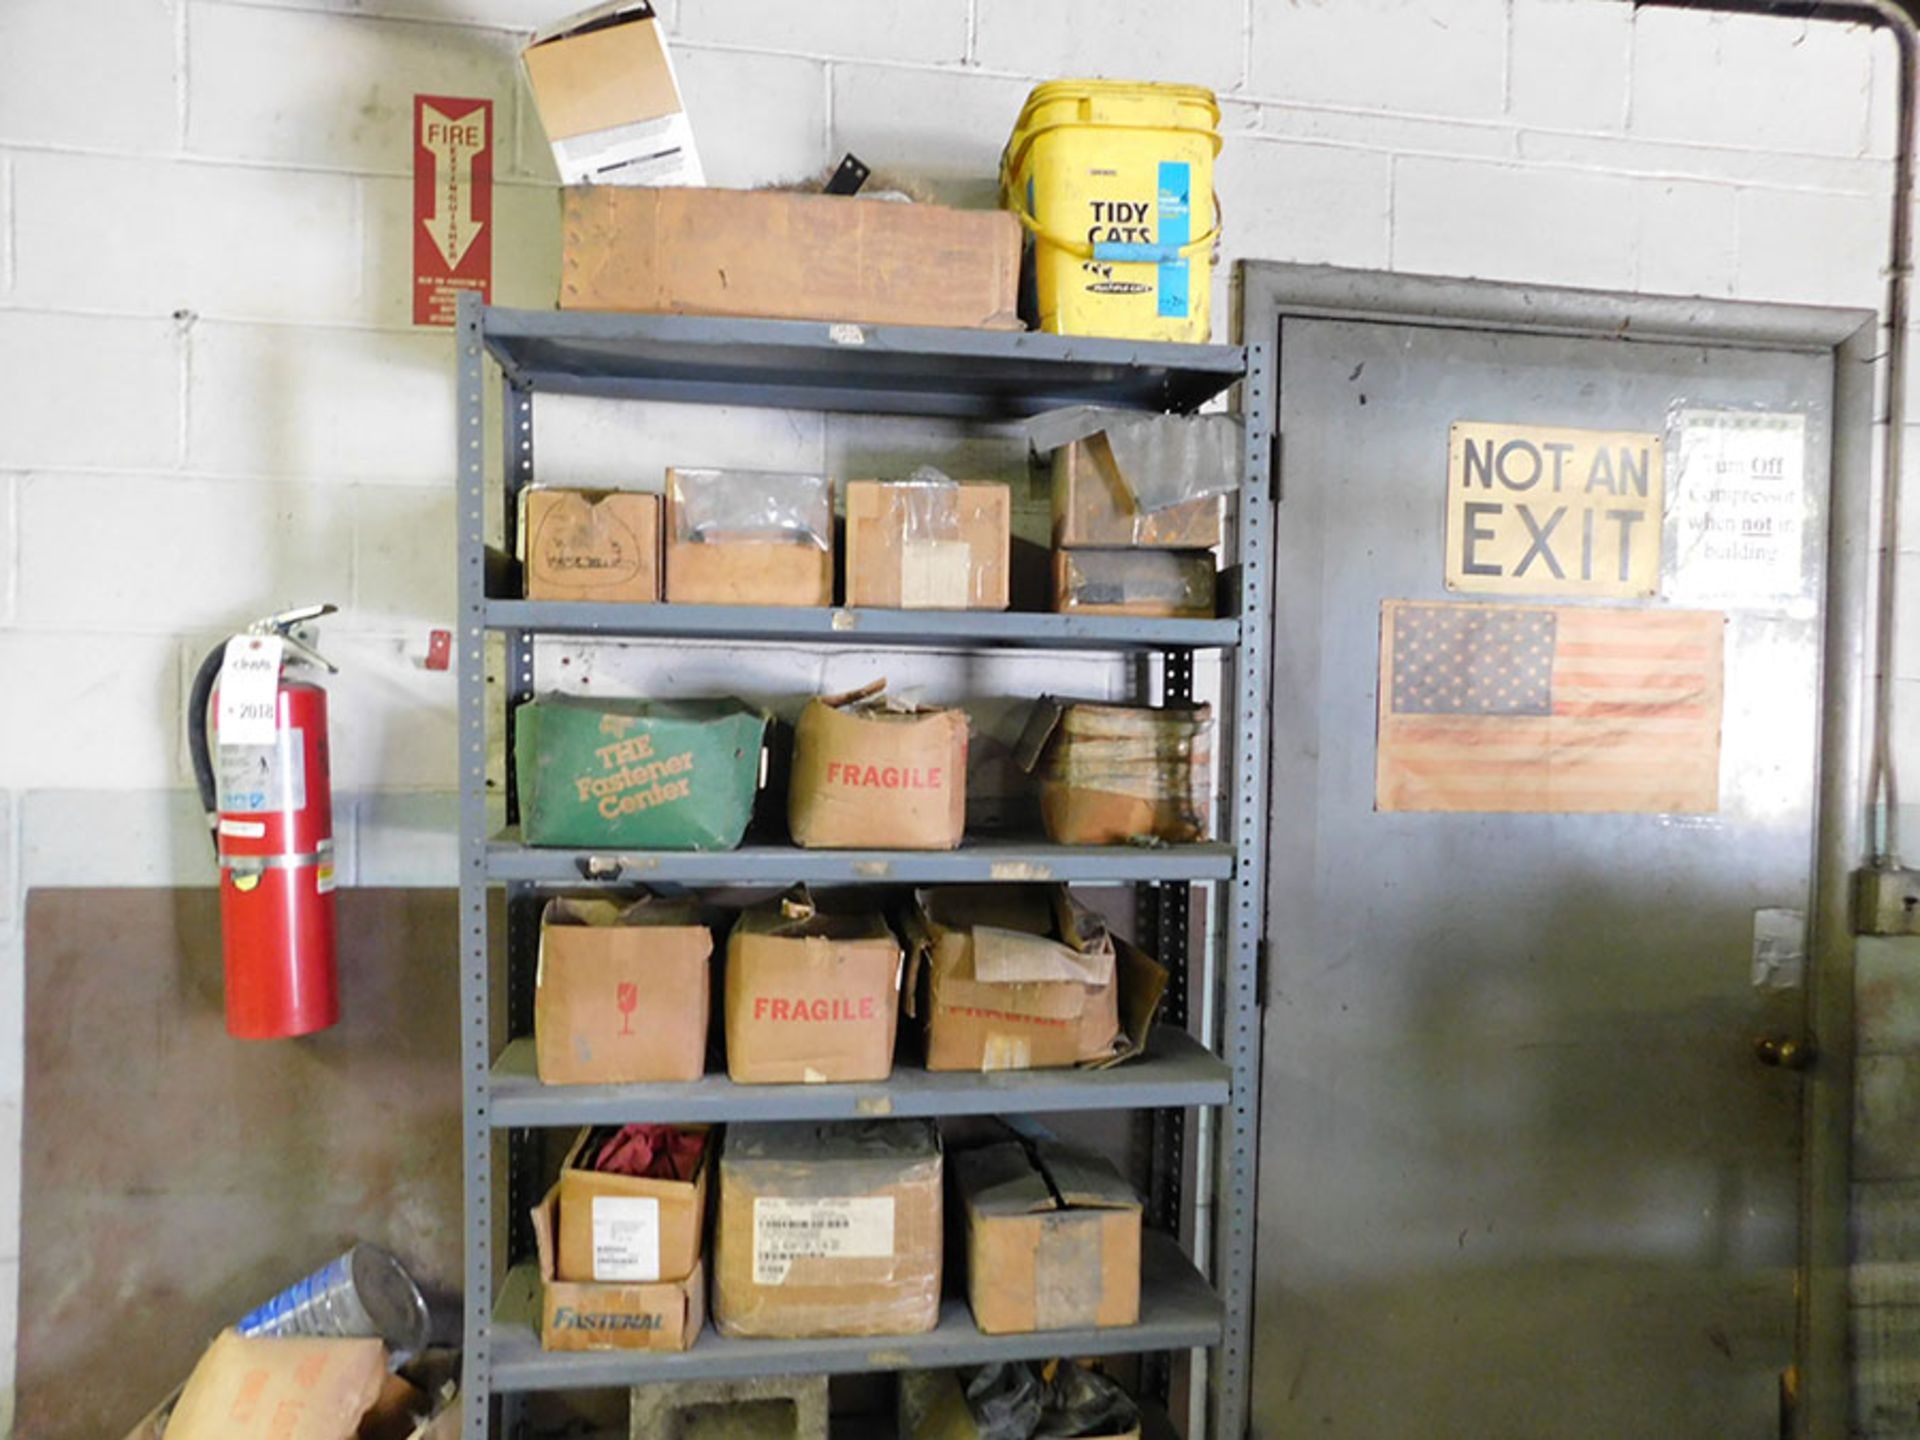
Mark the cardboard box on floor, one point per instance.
(788, 256)
(627, 1228)
(928, 545)
(810, 996)
(869, 773)
(621, 993)
(286, 1389)
(1093, 506)
(1165, 584)
(608, 99)
(1017, 977)
(829, 1229)
(1053, 1238)
(582, 1315)
(590, 545)
(1119, 774)
(933, 1406)
(748, 537)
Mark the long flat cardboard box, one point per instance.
(788, 257)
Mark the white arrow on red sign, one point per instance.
(451, 226)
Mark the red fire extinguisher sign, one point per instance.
(453, 144)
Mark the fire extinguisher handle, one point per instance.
(199, 742)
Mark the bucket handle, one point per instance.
(1117, 250)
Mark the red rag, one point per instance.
(652, 1152)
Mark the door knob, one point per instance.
(1783, 1052)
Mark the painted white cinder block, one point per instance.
(617, 445)
(403, 558)
(130, 836)
(929, 31)
(1390, 134)
(218, 240)
(392, 720)
(187, 554)
(1315, 203)
(348, 103)
(880, 447)
(89, 75)
(1569, 63)
(1505, 222)
(9, 547)
(757, 119)
(101, 710)
(1726, 79)
(334, 404)
(1202, 43)
(1686, 238)
(407, 838)
(87, 390)
(943, 129)
(1670, 159)
(1906, 622)
(1812, 248)
(1421, 57)
(526, 249)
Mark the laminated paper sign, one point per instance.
(1548, 709)
(1533, 510)
(1739, 506)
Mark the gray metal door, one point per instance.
(1521, 1174)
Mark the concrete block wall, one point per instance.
(213, 403)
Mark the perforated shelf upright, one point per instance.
(1206, 1062)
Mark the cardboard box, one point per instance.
(582, 1315)
(1012, 977)
(1093, 506)
(933, 1406)
(829, 1229)
(788, 256)
(923, 545)
(1120, 774)
(869, 773)
(637, 775)
(604, 85)
(274, 1389)
(627, 1228)
(1177, 584)
(810, 996)
(590, 545)
(1053, 1238)
(749, 537)
(621, 992)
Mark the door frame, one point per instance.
(1267, 293)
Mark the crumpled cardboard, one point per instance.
(627, 1228)
(1022, 978)
(810, 995)
(621, 992)
(875, 772)
(1119, 774)
(278, 1389)
(1053, 1237)
(829, 1229)
(583, 1315)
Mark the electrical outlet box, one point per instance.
(1886, 901)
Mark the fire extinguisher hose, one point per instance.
(199, 743)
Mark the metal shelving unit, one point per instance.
(926, 372)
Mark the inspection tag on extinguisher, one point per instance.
(249, 690)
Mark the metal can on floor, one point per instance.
(365, 1292)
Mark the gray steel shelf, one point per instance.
(1176, 1071)
(872, 369)
(1178, 1311)
(975, 629)
(986, 861)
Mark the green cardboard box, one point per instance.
(637, 775)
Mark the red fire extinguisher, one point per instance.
(259, 745)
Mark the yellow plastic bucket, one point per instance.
(1114, 184)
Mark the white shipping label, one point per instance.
(1736, 506)
(249, 690)
(850, 1227)
(252, 779)
(626, 1237)
(933, 574)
